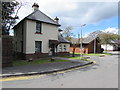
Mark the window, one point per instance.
(60, 48)
(38, 46)
(64, 47)
(38, 27)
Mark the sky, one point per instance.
(97, 15)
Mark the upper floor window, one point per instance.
(38, 27)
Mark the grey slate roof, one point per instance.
(40, 16)
(88, 39)
(115, 41)
(75, 40)
(62, 39)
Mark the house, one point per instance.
(37, 35)
(91, 43)
(64, 46)
(113, 46)
(88, 45)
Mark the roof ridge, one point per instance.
(31, 13)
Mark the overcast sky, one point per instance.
(96, 15)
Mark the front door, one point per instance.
(53, 49)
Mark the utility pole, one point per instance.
(81, 41)
(94, 45)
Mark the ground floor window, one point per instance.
(60, 48)
(38, 46)
(64, 47)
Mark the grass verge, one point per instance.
(78, 58)
(40, 61)
(97, 54)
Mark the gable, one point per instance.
(39, 16)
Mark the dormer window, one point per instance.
(38, 27)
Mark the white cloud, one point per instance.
(108, 30)
(111, 30)
(73, 12)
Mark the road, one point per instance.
(102, 75)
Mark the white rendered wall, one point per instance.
(61, 49)
(109, 47)
(49, 32)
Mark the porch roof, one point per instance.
(54, 42)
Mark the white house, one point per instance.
(114, 46)
(37, 35)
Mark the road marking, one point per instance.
(15, 78)
(20, 78)
(39, 76)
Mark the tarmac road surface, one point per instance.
(102, 75)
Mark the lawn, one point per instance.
(40, 61)
(79, 58)
(97, 54)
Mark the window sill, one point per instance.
(38, 33)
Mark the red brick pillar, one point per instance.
(86, 50)
(7, 50)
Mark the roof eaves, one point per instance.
(43, 22)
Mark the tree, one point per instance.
(9, 15)
(67, 33)
(75, 44)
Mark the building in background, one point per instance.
(113, 46)
(88, 45)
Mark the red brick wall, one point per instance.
(98, 50)
(89, 48)
(77, 50)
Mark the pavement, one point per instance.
(114, 52)
(43, 68)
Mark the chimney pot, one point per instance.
(56, 19)
(35, 6)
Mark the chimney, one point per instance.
(35, 7)
(56, 19)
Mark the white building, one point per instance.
(37, 35)
(114, 46)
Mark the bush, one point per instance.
(102, 50)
